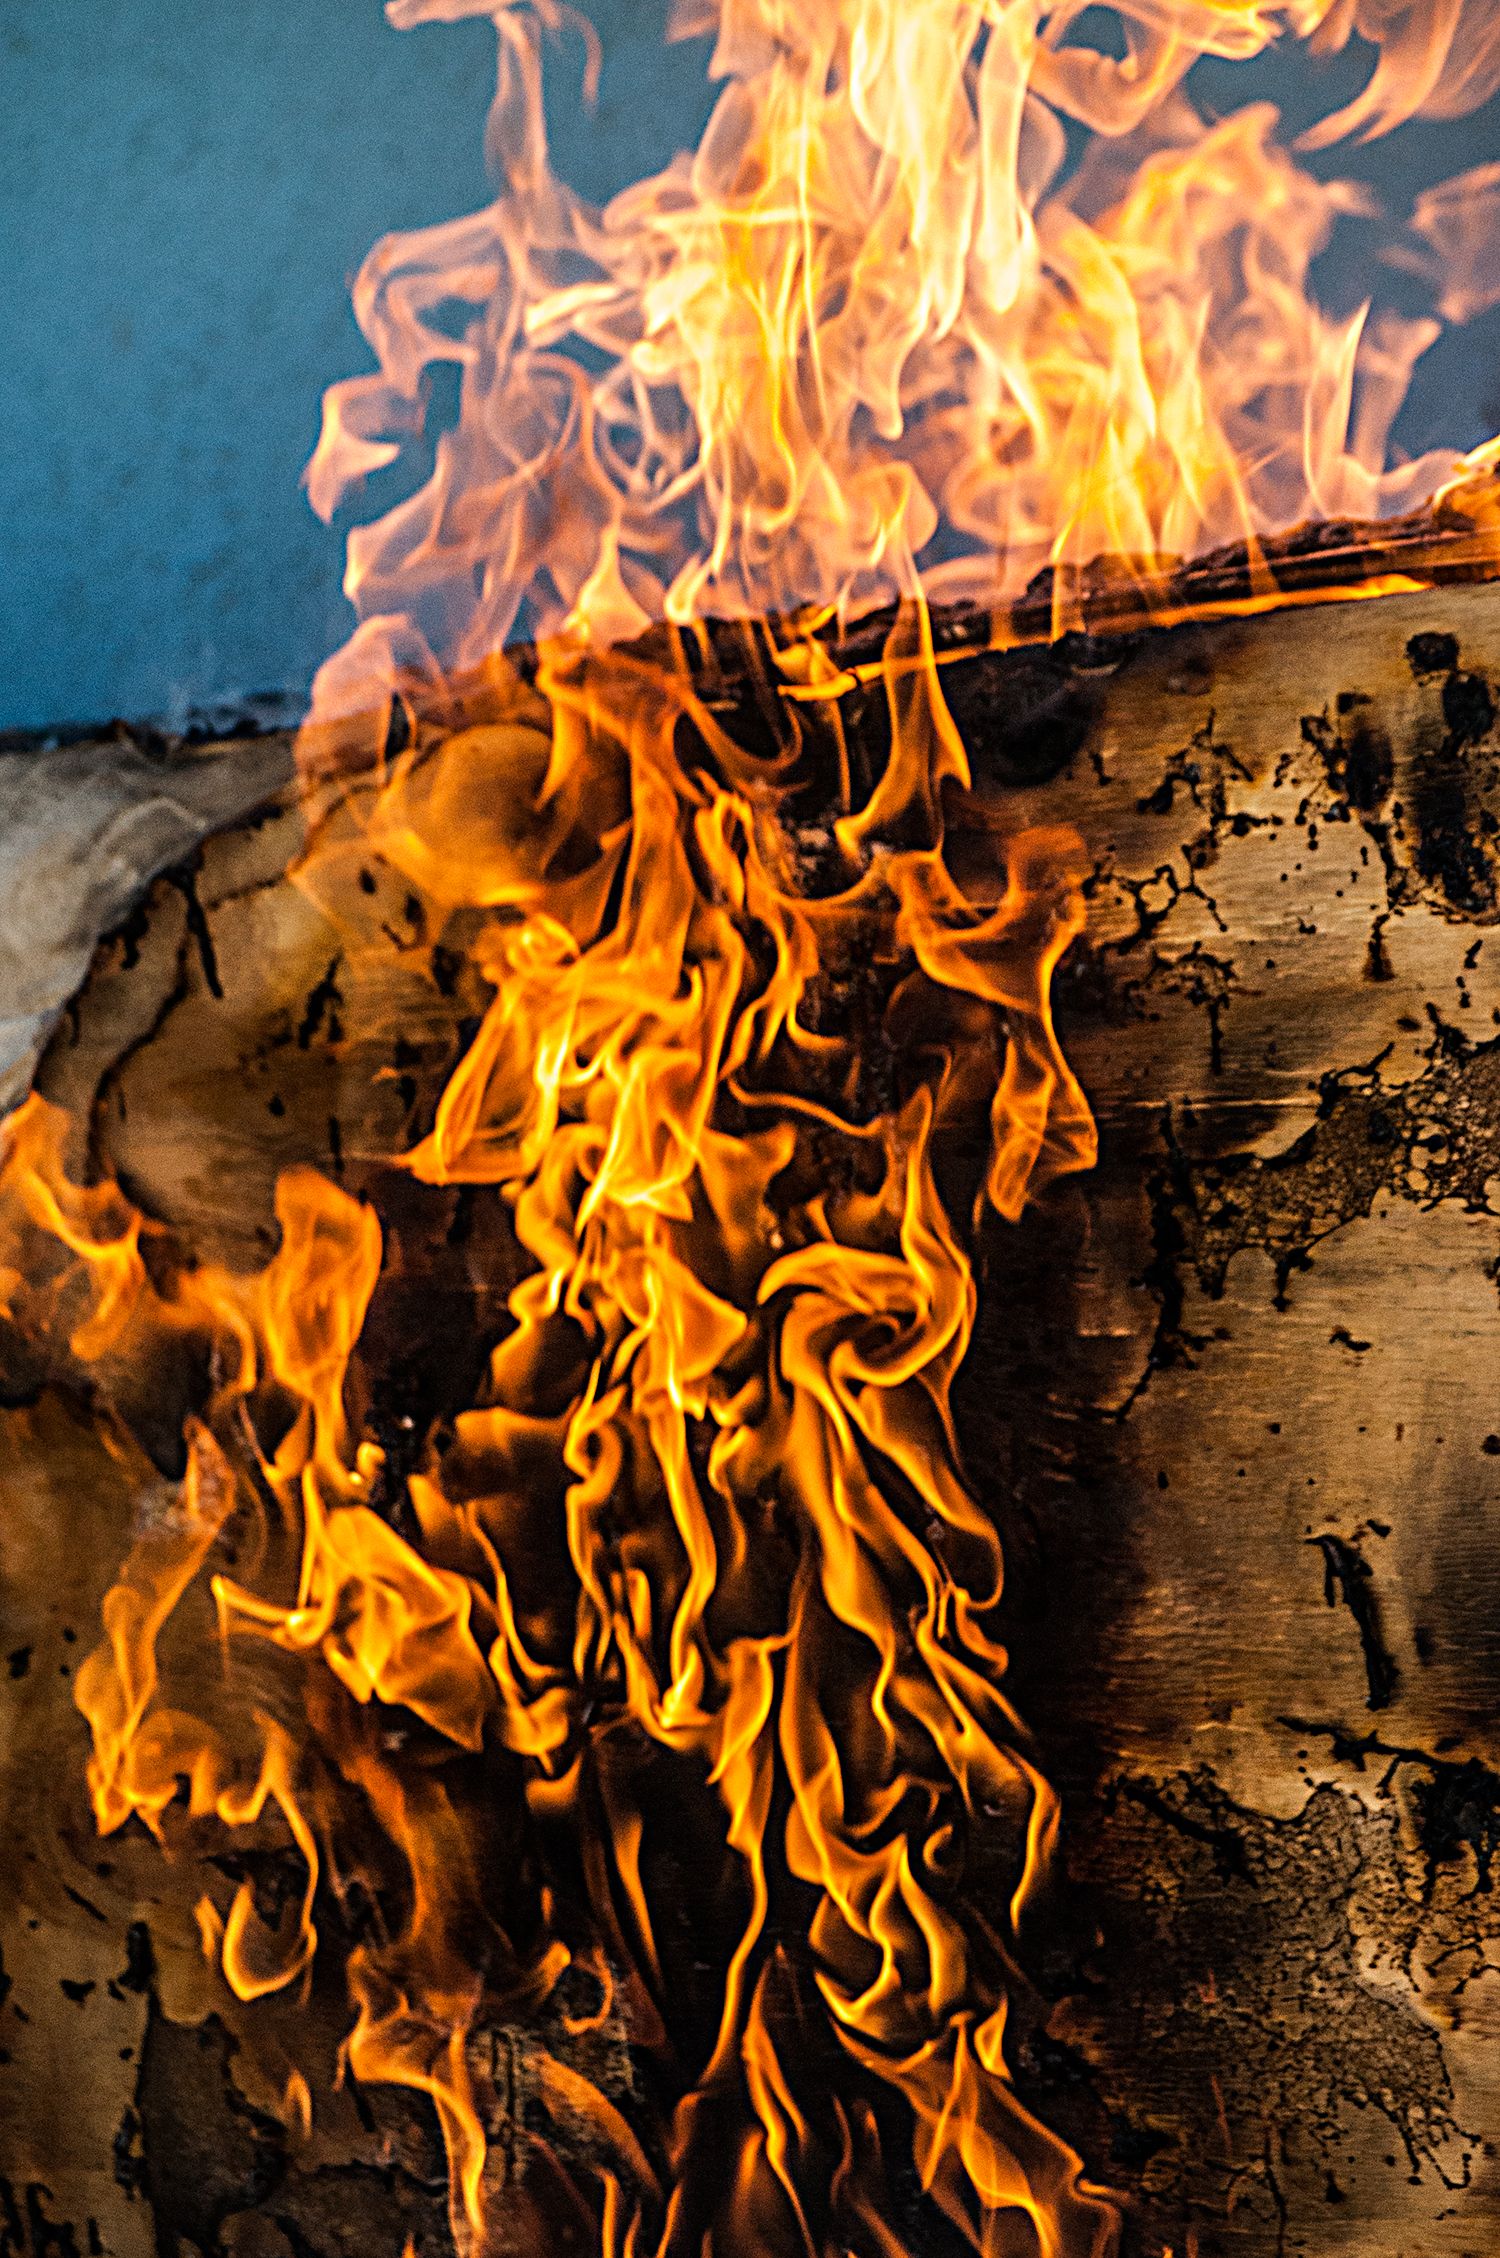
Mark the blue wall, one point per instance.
(185, 190)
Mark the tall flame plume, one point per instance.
(691, 1583)
(708, 1502)
(885, 329)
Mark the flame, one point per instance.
(883, 325)
(726, 1367)
(1457, 222)
(762, 1053)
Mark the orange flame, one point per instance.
(880, 323)
(760, 1057)
(728, 1360)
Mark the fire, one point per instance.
(724, 1370)
(879, 331)
(761, 1053)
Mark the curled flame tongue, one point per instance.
(698, 1566)
(777, 1574)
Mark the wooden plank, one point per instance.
(1233, 1397)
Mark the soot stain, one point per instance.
(1347, 1577)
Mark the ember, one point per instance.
(617, 1670)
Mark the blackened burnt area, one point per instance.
(1025, 714)
(28, 2228)
(1227, 2106)
(1348, 1578)
(1456, 849)
(1432, 805)
(449, 1261)
(1455, 1800)
(201, 2157)
(1452, 786)
(1054, 1472)
(1434, 1138)
(193, 2147)
(148, 1396)
(1356, 752)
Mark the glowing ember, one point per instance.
(693, 1577)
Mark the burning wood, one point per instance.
(495, 1258)
(682, 1505)
(329, 1043)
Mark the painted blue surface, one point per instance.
(184, 193)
